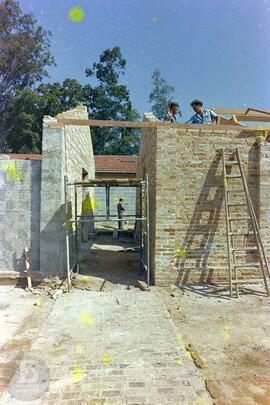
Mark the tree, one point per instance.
(24, 54)
(106, 100)
(160, 96)
(110, 100)
(25, 113)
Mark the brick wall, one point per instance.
(188, 232)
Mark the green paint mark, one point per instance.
(12, 171)
(107, 358)
(76, 14)
(85, 318)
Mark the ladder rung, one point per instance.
(236, 203)
(255, 264)
(239, 218)
(248, 280)
(244, 249)
(241, 233)
(234, 176)
(231, 162)
(235, 190)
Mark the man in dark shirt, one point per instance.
(120, 211)
(171, 114)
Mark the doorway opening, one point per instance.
(107, 249)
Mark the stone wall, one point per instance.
(19, 213)
(188, 232)
(67, 152)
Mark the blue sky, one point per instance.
(218, 51)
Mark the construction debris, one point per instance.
(142, 285)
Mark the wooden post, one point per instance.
(27, 267)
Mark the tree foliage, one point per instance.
(24, 55)
(110, 100)
(161, 95)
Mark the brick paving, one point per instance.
(108, 348)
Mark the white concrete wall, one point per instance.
(66, 151)
(19, 213)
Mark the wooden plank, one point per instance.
(27, 267)
(258, 111)
(230, 111)
(258, 118)
(113, 123)
(154, 124)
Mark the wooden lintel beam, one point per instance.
(258, 118)
(112, 123)
(230, 111)
(263, 112)
(154, 124)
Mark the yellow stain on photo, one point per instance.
(12, 171)
(76, 14)
(79, 349)
(179, 361)
(38, 302)
(226, 328)
(58, 350)
(188, 355)
(180, 252)
(107, 358)
(85, 318)
(77, 373)
(89, 204)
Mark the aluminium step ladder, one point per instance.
(256, 249)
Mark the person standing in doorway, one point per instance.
(202, 116)
(120, 211)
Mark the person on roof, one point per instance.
(202, 116)
(171, 114)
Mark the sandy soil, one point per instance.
(230, 338)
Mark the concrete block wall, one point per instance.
(19, 213)
(127, 193)
(67, 150)
(188, 232)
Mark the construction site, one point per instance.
(168, 304)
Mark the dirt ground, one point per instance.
(107, 264)
(229, 340)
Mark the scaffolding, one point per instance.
(141, 219)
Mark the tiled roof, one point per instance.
(116, 164)
(20, 156)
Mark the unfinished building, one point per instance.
(186, 191)
(186, 221)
